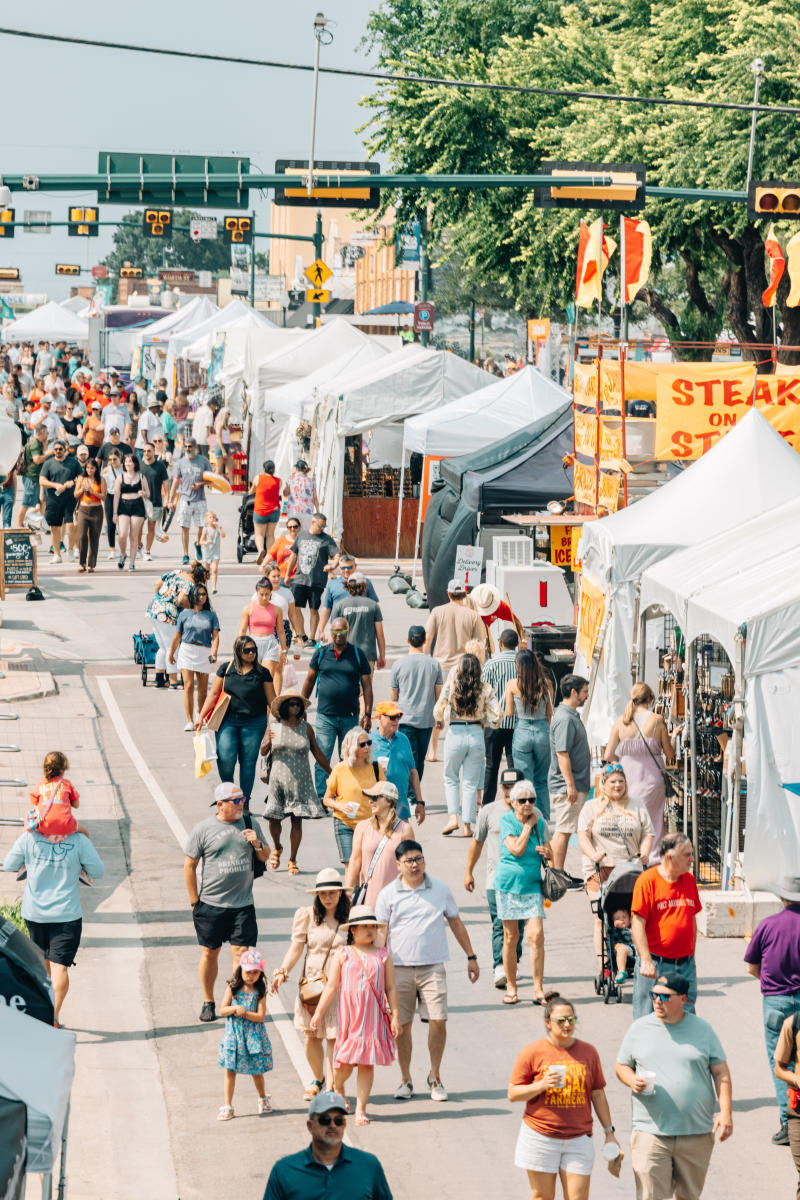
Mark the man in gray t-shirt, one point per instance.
(570, 766)
(415, 683)
(188, 483)
(222, 907)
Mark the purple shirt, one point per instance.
(775, 947)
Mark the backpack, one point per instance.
(259, 867)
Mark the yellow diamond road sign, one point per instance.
(317, 296)
(318, 272)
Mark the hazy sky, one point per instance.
(64, 104)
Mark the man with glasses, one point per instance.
(336, 590)
(675, 1066)
(222, 907)
(664, 912)
(341, 673)
(417, 909)
(188, 483)
(314, 555)
(401, 768)
(57, 483)
(327, 1168)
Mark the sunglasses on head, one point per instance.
(324, 1119)
(614, 769)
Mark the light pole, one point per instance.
(757, 67)
(321, 35)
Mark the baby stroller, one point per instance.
(145, 648)
(245, 537)
(615, 893)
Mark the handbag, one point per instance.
(214, 718)
(385, 1013)
(555, 882)
(311, 988)
(259, 867)
(669, 787)
(361, 891)
(265, 766)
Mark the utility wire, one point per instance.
(432, 81)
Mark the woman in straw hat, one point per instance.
(364, 976)
(317, 930)
(291, 792)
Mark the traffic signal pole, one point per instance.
(253, 266)
(317, 311)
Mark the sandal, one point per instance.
(275, 859)
(225, 1113)
(449, 830)
(292, 867)
(264, 1105)
(313, 1089)
(362, 1119)
(511, 998)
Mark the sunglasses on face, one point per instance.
(233, 800)
(662, 996)
(339, 633)
(294, 527)
(347, 570)
(569, 1021)
(368, 742)
(396, 717)
(249, 650)
(337, 1121)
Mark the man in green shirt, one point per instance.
(36, 451)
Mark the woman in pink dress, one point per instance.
(383, 829)
(364, 975)
(640, 741)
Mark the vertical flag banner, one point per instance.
(793, 263)
(638, 254)
(776, 268)
(594, 252)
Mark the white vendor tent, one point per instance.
(750, 471)
(50, 322)
(196, 341)
(37, 1067)
(78, 305)
(742, 588)
(409, 381)
(151, 344)
(248, 343)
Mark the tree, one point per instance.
(151, 254)
(708, 271)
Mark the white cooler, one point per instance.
(536, 593)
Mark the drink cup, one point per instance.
(611, 1151)
(352, 809)
(650, 1079)
(561, 1068)
(383, 762)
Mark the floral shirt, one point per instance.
(301, 494)
(164, 605)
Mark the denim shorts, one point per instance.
(30, 492)
(344, 839)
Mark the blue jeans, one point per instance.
(775, 1010)
(8, 507)
(643, 984)
(530, 748)
(497, 931)
(239, 740)
(343, 836)
(420, 740)
(464, 758)
(330, 731)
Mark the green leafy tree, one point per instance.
(151, 254)
(709, 268)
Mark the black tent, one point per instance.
(523, 471)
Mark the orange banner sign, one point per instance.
(610, 442)
(692, 414)
(590, 618)
(610, 386)
(608, 495)
(585, 484)
(584, 384)
(585, 433)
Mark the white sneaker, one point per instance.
(75, 555)
(188, 727)
(500, 976)
(111, 554)
(405, 1091)
(147, 557)
(56, 558)
(437, 1089)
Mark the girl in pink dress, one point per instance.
(364, 975)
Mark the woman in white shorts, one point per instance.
(560, 1080)
(263, 621)
(195, 648)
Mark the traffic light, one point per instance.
(130, 272)
(237, 230)
(7, 222)
(625, 193)
(158, 223)
(7, 273)
(67, 269)
(779, 199)
(83, 222)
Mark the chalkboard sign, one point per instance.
(17, 560)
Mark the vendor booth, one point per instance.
(749, 471)
(523, 471)
(358, 430)
(191, 347)
(724, 619)
(50, 322)
(152, 343)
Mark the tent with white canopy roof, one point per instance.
(196, 341)
(78, 305)
(50, 322)
(749, 471)
(151, 344)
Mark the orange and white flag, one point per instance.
(776, 268)
(638, 254)
(594, 252)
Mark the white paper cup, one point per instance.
(383, 762)
(352, 809)
(650, 1079)
(562, 1071)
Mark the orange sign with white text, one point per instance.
(693, 413)
(585, 433)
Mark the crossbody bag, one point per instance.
(214, 718)
(360, 893)
(311, 987)
(669, 789)
(381, 1005)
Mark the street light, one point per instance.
(322, 35)
(757, 67)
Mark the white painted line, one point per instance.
(282, 1019)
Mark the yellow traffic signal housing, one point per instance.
(67, 269)
(776, 199)
(237, 230)
(83, 222)
(158, 223)
(7, 273)
(7, 222)
(130, 272)
(624, 193)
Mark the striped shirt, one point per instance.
(499, 671)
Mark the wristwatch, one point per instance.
(472, 958)
(609, 1129)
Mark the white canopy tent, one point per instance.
(37, 1066)
(78, 305)
(196, 341)
(749, 471)
(151, 344)
(742, 588)
(50, 322)
(248, 343)
(409, 381)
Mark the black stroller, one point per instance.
(245, 537)
(615, 893)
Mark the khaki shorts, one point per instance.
(666, 1166)
(431, 984)
(563, 815)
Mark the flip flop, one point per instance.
(512, 999)
(538, 1000)
(447, 832)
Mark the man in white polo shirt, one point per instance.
(417, 910)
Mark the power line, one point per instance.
(432, 81)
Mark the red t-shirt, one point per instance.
(268, 495)
(57, 821)
(669, 911)
(565, 1112)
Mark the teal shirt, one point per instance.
(684, 1100)
(519, 875)
(355, 1175)
(51, 892)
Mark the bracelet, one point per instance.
(472, 958)
(420, 803)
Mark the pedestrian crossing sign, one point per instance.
(318, 273)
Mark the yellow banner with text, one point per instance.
(694, 413)
(590, 618)
(585, 433)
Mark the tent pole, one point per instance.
(400, 509)
(738, 730)
(690, 708)
(62, 1169)
(638, 628)
(416, 538)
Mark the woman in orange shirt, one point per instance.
(267, 509)
(281, 550)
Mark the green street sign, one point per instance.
(214, 182)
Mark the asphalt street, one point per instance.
(148, 1088)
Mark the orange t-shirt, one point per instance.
(669, 911)
(563, 1112)
(93, 431)
(279, 552)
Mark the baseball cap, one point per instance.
(96, 404)
(226, 791)
(455, 586)
(325, 1101)
(388, 708)
(416, 635)
(251, 960)
(510, 776)
(384, 788)
(675, 982)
